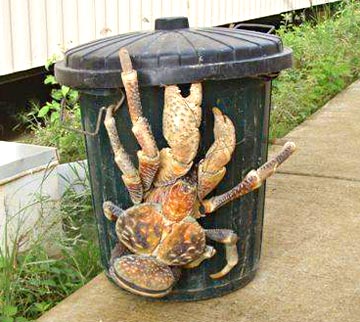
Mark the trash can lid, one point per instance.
(173, 53)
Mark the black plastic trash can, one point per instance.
(235, 68)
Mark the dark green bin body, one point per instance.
(245, 99)
(246, 102)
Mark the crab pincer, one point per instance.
(212, 168)
(181, 122)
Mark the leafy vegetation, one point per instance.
(326, 61)
(32, 281)
(44, 122)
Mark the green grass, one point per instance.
(45, 126)
(31, 282)
(326, 61)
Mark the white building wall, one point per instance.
(33, 30)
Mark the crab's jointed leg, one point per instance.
(252, 180)
(139, 273)
(130, 175)
(181, 121)
(118, 251)
(111, 211)
(208, 253)
(212, 168)
(149, 157)
(229, 238)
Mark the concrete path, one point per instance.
(310, 265)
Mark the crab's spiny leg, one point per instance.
(208, 253)
(111, 211)
(229, 238)
(181, 121)
(252, 180)
(212, 167)
(130, 175)
(149, 157)
(118, 251)
(130, 82)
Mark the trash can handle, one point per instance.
(98, 121)
(251, 26)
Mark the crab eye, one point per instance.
(186, 189)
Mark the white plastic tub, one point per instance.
(28, 191)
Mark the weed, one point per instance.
(326, 61)
(45, 124)
(32, 281)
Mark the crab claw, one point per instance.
(212, 167)
(142, 275)
(181, 121)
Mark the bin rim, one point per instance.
(110, 79)
(174, 56)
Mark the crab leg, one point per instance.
(181, 121)
(111, 211)
(208, 253)
(149, 157)
(229, 238)
(118, 251)
(212, 167)
(130, 175)
(252, 180)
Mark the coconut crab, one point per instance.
(160, 233)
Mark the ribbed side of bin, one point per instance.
(247, 102)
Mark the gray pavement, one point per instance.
(310, 265)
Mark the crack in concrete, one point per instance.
(318, 176)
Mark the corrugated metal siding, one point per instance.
(33, 30)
